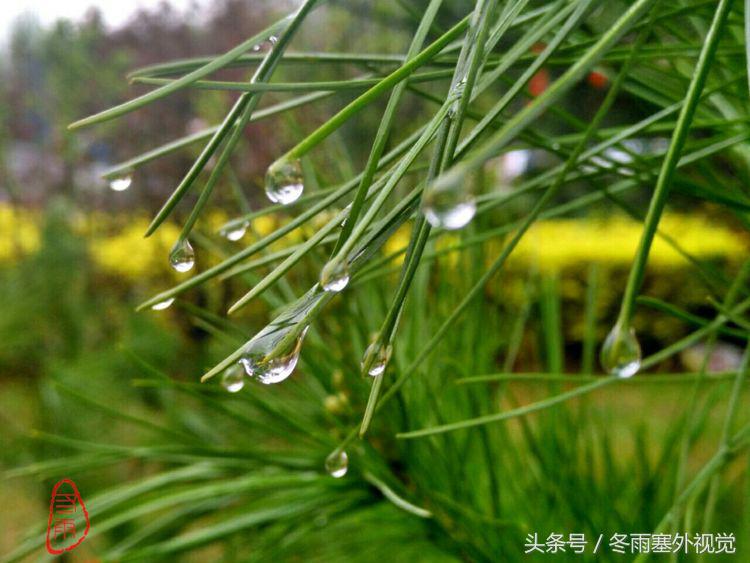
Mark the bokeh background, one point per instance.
(74, 263)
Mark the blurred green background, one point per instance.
(74, 264)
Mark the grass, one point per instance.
(488, 422)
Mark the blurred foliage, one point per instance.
(172, 470)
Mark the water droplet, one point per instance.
(263, 359)
(235, 232)
(284, 181)
(448, 209)
(335, 276)
(182, 256)
(451, 216)
(448, 203)
(337, 464)
(121, 183)
(265, 45)
(233, 378)
(377, 357)
(161, 305)
(621, 353)
(272, 354)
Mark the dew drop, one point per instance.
(265, 45)
(284, 181)
(261, 357)
(621, 353)
(272, 354)
(182, 256)
(235, 232)
(449, 210)
(337, 464)
(233, 378)
(161, 305)
(121, 183)
(335, 276)
(448, 205)
(377, 356)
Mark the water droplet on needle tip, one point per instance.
(182, 256)
(621, 352)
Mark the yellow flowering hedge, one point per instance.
(118, 247)
(555, 245)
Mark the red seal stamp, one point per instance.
(68, 522)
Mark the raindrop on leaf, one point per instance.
(284, 181)
(621, 353)
(261, 357)
(182, 256)
(235, 232)
(272, 354)
(448, 204)
(161, 305)
(335, 276)
(121, 183)
(337, 464)
(233, 378)
(377, 357)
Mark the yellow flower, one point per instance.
(555, 244)
(19, 233)
(128, 254)
(549, 246)
(398, 241)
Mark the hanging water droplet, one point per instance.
(121, 183)
(272, 354)
(235, 232)
(448, 203)
(161, 305)
(273, 40)
(621, 353)
(256, 47)
(377, 357)
(450, 212)
(182, 256)
(284, 181)
(335, 276)
(233, 378)
(337, 464)
(261, 357)
(450, 208)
